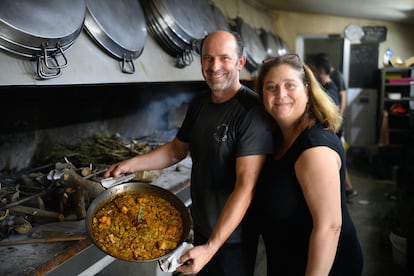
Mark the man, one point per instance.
(332, 80)
(323, 70)
(228, 134)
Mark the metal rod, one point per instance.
(98, 266)
(43, 240)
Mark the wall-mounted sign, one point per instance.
(374, 34)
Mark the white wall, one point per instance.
(87, 63)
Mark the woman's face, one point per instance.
(284, 94)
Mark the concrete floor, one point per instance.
(375, 197)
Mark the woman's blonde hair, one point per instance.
(320, 108)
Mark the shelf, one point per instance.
(404, 99)
(398, 84)
(399, 130)
(400, 125)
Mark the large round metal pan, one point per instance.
(117, 26)
(272, 44)
(285, 48)
(221, 21)
(164, 29)
(41, 30)
(163, 22)
(157, 30)
(183, 17)
(28, 27)
(254, 49)
(208, 17)
(117, 190)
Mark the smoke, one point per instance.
(161, 118)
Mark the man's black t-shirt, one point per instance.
(217, 135)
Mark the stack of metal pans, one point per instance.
(273, 43)
(179, 25)
(42, 30)
(119, 28)
(221, 21)
(284, 49)
(253, 45)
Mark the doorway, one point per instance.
(331, 44)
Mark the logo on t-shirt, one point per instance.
(221, 133)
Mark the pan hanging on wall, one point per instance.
(119, 28)
(41, 30)
(254, 49)
(221, 21)
(273, 44)
(179, 25)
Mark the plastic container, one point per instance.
(387, 55)
(394, 96)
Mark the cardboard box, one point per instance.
(398, 62)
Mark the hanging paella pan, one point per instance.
(178, 25)
(254, 49)
(41, 30)
(119, 28)
(272, 43)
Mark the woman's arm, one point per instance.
(317, 170)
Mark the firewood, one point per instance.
(36, 212)
(81, 189)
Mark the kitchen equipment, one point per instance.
(174, 25)
(273, 44)
(42, 30)
(119, 28)
(284, 49)
(254, 49)
(114, 191)
(221, 21)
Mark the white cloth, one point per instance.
(171, 263)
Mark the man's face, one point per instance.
(219, 61)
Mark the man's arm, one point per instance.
(159, 158)
(247, 172)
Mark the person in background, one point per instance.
(300, 203)
(228, 134)
(332, 79)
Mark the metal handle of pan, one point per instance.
(184, 59)
(42, 73)
(47, 69)
(60, 50)
(124, 62)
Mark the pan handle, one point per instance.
(57, 65)
(124, 68)
(48, 73)
(47, 64)
(184, 58)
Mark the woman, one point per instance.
(300, 200)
